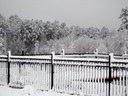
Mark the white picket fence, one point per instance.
(90, 78)
(84, 76)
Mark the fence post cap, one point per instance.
(62, 52)
(9, 53)
(53, 53)
(96, 52)
(111, 56)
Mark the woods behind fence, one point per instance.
(89, 74)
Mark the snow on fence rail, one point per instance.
(75, 75)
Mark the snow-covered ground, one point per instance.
(7, 91)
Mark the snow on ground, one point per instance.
(7, 91)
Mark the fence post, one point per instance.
(62, 52)
(8, 68)
(110, 60)
(23, 53)
(96, 53)
(52, 69)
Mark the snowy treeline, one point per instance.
(38, 36)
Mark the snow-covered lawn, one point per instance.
(7, 91)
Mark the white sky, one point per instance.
(85, 13)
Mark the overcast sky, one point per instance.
(85, 13)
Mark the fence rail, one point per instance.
(70, 74)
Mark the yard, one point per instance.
(7, 91)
